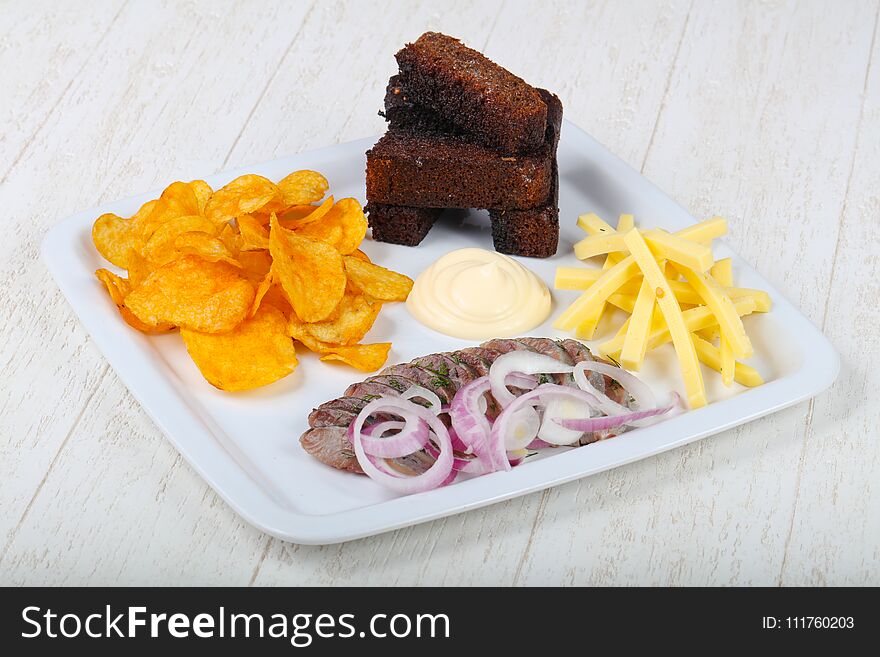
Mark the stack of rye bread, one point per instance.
(465, 133)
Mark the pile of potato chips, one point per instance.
(245, 271)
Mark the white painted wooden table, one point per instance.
(765, 112)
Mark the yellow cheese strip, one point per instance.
(576, 278)
(599, 244)
(762, 300)
(591, 224)
(728, 362)
(679, 250)
(681, 337)
(695, 319)
(587, 329)
(590, 300)
(705, 231)
(709, 355)
(722, 307)
(635, 343)
(711, 334)
(602, 241)
(581, 278)
(626, 302)
(722, 271)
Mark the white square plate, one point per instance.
(246, 445)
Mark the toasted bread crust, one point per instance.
(423, 162)
(466, 88)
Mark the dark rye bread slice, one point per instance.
(400, 224)
(422, 164)
(489, 102)
(530, 233)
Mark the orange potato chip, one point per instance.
(360, 255)
(303, 187)
(144, 211)
(119, 288)
(143, 327)
(255, 353)
(260, 292)
(231, 239)
(349, 323)
(364, 357)
(344, 227)
(205, 246)
(203, 193)
(291, 215)
(193, 293)
(114, 237)
(138, 268)
(160, 247)
(244, 195)
(328, 233)
(376, 281)
(255, 265)
(181, 198)
(310, 272)
(253, 235)
(316, 214)
(178, 200)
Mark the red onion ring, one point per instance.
(437, 475)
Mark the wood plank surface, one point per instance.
(765, 112)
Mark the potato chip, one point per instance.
(316, 214)
(376, 281)
(364, 357)
(349, 323)
(328, 233)
(310, 272)
(160, 247)
(132, 320)
(203, 193)
(303, 187)
(138, 268)
(114, 237)
(231, 238)
(344, 227)
(275, 295)
(205, 246)
(178, 200)
(262, 289)
(116, 286)
(181, 198)
(288, 267)
(291, 215)
(255, 265)
(119, 288)
(253, 235)
(244, 195)
(255, 353)
(144, 211)
(193, 293)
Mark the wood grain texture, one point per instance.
(767, 112)
(719, 511)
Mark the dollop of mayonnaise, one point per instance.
(476, 294)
